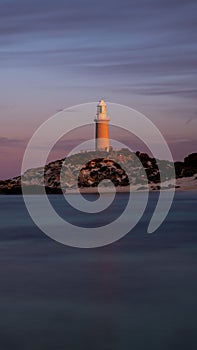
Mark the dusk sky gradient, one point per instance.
(56, 54)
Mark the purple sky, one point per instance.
(55, 54)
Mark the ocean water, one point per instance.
(137, 293)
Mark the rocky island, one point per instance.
(86, 170)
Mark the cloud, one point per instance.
(11, 142)
(163, 90)
(148, 47)
(21, 18)
(190, 120)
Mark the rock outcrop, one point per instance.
(187, 168)
(88, 169)
(100, 169)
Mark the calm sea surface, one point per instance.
(135, 294)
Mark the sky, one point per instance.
(57, 54)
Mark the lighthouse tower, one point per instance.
(102, 132)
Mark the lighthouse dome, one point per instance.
(102, 102)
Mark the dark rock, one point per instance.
(120, 167)
(100, 169)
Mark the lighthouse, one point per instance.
(102, 130)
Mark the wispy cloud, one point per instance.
(12, 142)
(190, 120)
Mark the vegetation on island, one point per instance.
(90, 168)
